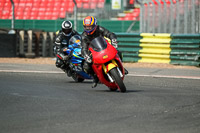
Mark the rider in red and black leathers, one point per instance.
(91, 31)
(100, 31)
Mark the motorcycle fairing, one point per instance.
(76, 60)
(98, 69)
(104, 55)
(105, 58)
(110, 66)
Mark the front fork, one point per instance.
(109, 67)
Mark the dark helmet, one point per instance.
(66, 28)
(90, 25)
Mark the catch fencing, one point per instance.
(170, 16)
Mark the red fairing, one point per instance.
(99, 71)
(103, 56)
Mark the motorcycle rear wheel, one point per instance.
(77, 78)
(113, 89)
(118, 80)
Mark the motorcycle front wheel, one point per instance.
(118, 80)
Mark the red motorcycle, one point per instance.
(107, 65)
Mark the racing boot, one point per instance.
(120, 56)
(125, 71)
(95, 81)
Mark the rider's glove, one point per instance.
(62, 56)
(114, 43)
(88, 58)
(54, 50)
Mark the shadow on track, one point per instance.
(127, 91)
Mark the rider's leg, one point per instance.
(65, 67)
(88, 69)
(59, 63)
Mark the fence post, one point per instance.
(51, 43)
(185, 16)
(141, 17)
(37, 47)
(44, 41)
(153, 17)
(177, 16)
(159, 12)
(148, 16)
(171, 17)
(193, 19)
(145, 18)
(30, 54)
(164, 11)
(21, 43)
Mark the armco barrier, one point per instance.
(145, 47)
(7, 45)
(185, 49)
(160, 48)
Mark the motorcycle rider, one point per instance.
(91, 31)
(62, 41)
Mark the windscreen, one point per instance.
(98, 44)
(75, 41)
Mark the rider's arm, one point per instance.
(107, 33)
(85, 42)
(85, 45)
(58, 49)
(58, 43)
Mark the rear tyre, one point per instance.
(112, 89)
(118, 80)
(77, 78)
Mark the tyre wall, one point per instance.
(7, 45)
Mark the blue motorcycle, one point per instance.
(76, 60)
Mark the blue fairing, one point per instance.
(76, 61)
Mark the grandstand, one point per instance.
(45, 9)
(60, 9)
(148, 12)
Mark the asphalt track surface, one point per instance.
(42, 99)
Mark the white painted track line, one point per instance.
(29, 71)
(164, 76)
(130, 74)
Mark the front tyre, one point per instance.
(118, 80)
